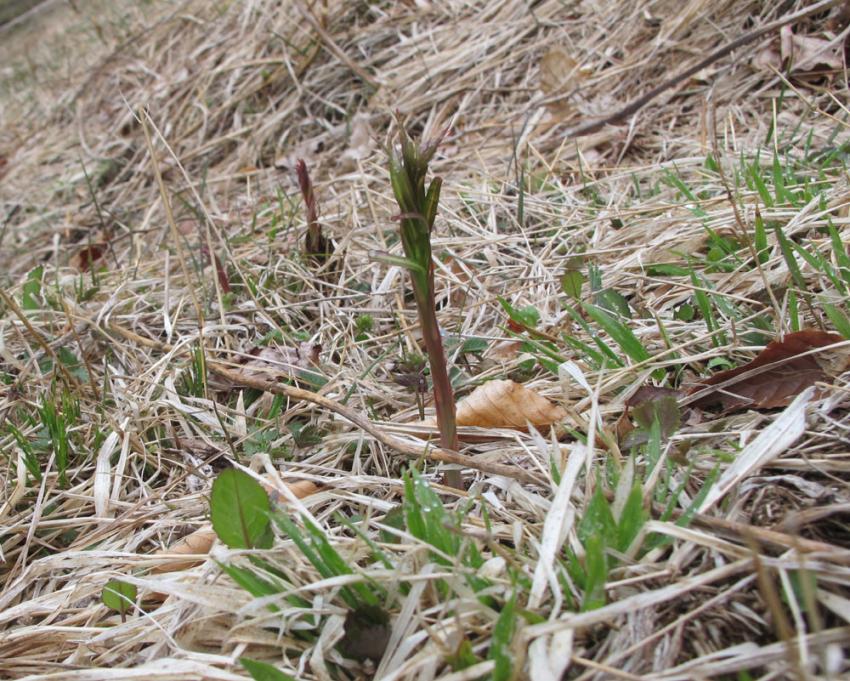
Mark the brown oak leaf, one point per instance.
(780, 372)
(506, 404)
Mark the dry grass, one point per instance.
(225, 98)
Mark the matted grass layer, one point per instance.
(708, 223)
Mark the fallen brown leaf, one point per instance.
(805, 53)
(193, 546)
(88, 257)
(559, 74)
(767, 59)
(780, 372)
(504, 350)
(506, 404)
(274, 363)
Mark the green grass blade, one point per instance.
(597, 521)
(706, 310)
(612, 356)
(621, 333)
(596, 568)
(378, 553)
(30, 456)
(263, 671)
(500, 646)
(426, 517)
(632, 519)
(788, 254)
(839, 320)
(252, 583)
(761, 246)
(760, 186)
(793, 311)
(840, 254)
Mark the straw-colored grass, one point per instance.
(172, 134)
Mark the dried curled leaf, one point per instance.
(780, 372)
(360, 144)
(559, 74)
(198, 543)
(88, 257)
(799, 53)
(805, 53)
(506, 404)
(274, 363)
(505, 350)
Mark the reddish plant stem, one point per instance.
(444, 400)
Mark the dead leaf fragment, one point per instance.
(767, 59)
(193, 545)
(780, 372)
(556, 69)
(274, 363)
(361, 143)
(88, 257)
(559, 73)
(505, 349)
(507, 404)
(460, 284)
(805, 53)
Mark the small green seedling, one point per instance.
(119, 596)
(239, 510)
(600, 531)
(32, 289)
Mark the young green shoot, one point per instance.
(416, 221)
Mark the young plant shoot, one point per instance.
(418, 211)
